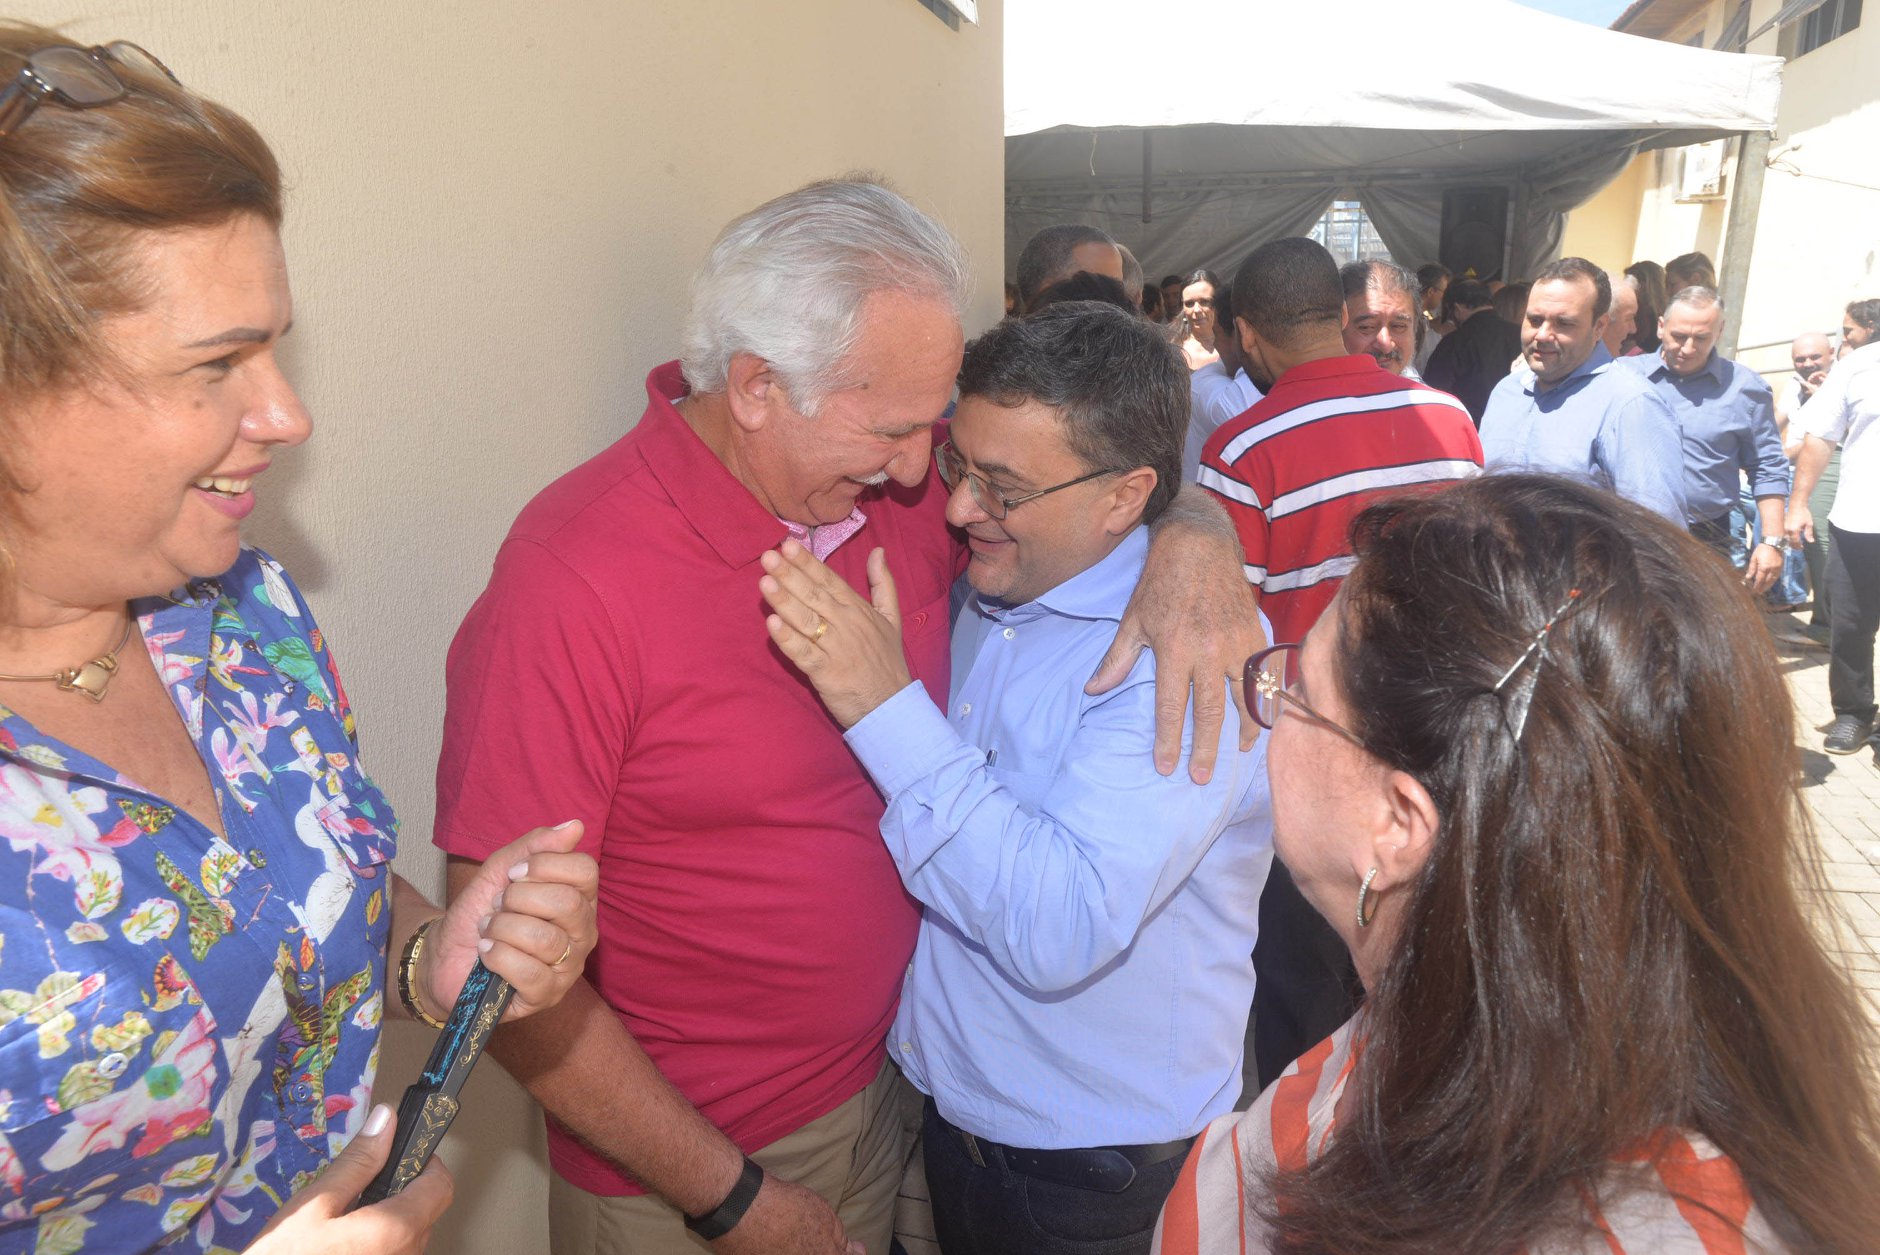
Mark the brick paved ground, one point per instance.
(1843, 794)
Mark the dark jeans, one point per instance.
(992, 1210)
(1853, 619)
(1304, 983)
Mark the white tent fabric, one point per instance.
(1278, 108)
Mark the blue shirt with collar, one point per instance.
(1083, 972)
(1727, 420)
(1601, 423)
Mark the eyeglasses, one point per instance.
(953, 469)
(77, 78)
(1270, 681)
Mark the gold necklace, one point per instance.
(89, 678)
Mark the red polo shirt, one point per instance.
(754, 932)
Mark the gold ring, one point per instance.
(822, 625)
(565, 952)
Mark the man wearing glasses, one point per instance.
(720, 1075)
(1077, 1005)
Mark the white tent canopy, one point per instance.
(1194, 132)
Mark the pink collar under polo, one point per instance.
(825, 538)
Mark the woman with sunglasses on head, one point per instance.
(196, 895)
(1535, 765)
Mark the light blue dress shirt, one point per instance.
(1084, 968)
(1602, 423)
(1214, 398)
(1727, 418)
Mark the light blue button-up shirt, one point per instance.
(1602, 423)
(1727, 420)
(1083, 973)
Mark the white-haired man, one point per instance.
(725, 1054)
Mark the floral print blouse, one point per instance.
(189, 1024)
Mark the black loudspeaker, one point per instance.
(1475, 231)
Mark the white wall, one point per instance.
(1818, 232)
(494, 207)
(1818, 223)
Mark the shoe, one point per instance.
(1847, 734)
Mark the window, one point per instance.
(1347, 234)
(1830, 20)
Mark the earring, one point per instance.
(1364, 921)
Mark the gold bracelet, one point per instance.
(408, 974)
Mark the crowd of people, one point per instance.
(1144, 779)
(1706, 441)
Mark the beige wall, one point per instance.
(1817, 232)
(1604, 230)
(494, 209)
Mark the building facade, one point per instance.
(1817, 231)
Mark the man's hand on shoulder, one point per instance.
(1194, 608)
(787, 1219)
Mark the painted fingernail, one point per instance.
(519, 871)
(496, 905)
(485, 945)
(483, 925)
(376, 1122)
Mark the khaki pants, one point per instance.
(855, 1157)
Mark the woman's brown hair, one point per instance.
(78, 188)
(1610, 937)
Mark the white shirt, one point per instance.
(1431, 338)
(1213, 400)
(1845, 410)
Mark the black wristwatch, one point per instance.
(723, 1218)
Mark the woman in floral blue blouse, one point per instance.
(196, 893)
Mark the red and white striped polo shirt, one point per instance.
(1295, 469)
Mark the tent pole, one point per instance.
(1147, 135)
(1739, 235)
(1517, 229)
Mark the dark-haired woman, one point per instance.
(196, 895)
(1533, 763)
(1652, 297)
(1194, 330)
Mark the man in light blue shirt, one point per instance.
(1726, 418)
(1077, 1005)
(1570, 409)
(1219, 390)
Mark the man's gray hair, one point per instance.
(1697, 296)
(786, 283)
(1358, 276)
